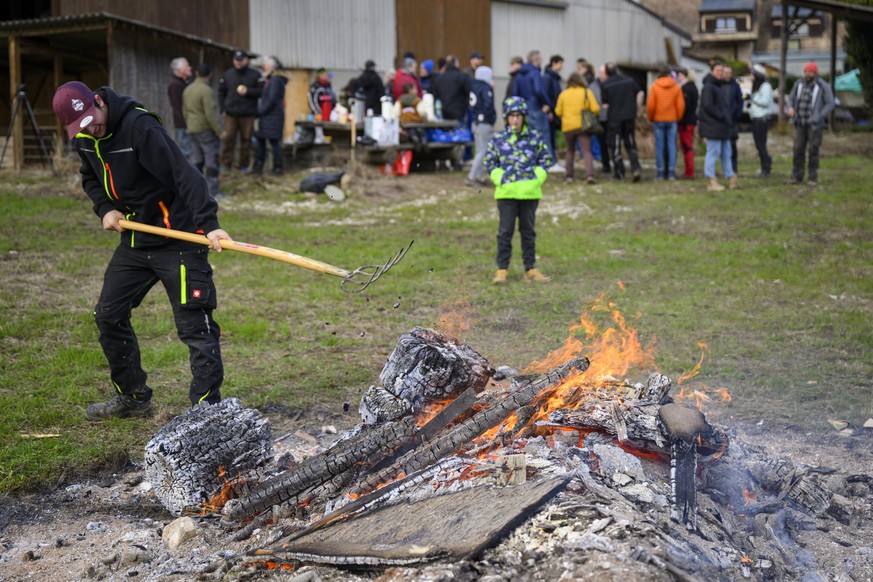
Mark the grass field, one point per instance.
(776, 280)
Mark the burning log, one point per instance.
(190, 458)
(426, 365)
(464, 432)
(365, 448)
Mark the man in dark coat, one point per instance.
(238, 92)
(271, 116)
(714, 125)
(370, 83)
(131, 168)
(689, 120)
(735, 102)
(623, 99)
(181, 76)
(452, 88)
(552, 86)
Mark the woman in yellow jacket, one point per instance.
(572, 100)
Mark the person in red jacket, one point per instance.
(132, 169)
(665, 106)
(405, 75)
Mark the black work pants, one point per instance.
(525, 212)
(623, 132)
(187, 279)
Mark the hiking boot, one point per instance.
(813, 183)
(637, 176)
(733, 183)
(121, 406)
(534, 276)
(500, 276)
(714, 186)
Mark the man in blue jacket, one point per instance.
(132, 169)
(484, 117)
(529, 86)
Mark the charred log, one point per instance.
(191, 457)
(367, 447)
(463, 432)
(426, 365)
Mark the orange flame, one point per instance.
(745, 559)
(430, 410)
(227, 492)
(749, 497)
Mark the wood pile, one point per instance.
(626, 472)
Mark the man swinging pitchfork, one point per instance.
(132, 169)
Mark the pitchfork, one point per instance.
(353, 281)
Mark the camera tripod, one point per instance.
(21, 97)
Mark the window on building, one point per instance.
(727, 24)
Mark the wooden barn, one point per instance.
(98, 49)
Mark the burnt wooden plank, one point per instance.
(458, 525)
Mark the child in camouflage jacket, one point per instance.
(516, 160)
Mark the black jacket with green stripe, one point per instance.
(138, 169)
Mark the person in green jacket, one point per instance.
(201, 121)
(516, 160)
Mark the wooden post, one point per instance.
(833, 65)
(21, 111)
(783, 59)
(59, 127)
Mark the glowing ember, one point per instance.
(745, 559)
(430, 410)
(228, 492)
(749, 497)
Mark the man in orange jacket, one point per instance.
(665, 106)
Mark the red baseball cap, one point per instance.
(811, 66)
(74, 105)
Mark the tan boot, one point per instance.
(534, 276)
(733, 184)
(714, 186)
(500, 277)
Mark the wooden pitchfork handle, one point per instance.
(232, 245)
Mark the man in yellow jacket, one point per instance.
(665, 106)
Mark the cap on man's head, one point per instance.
(476, 55)
(370, 64)
(810, 66)
(239, 55)
(74, 105)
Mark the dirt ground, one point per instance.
(110, 527)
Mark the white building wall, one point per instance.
(598, 30)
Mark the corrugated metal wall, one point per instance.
(598, 30)
(139, 65)
(223, 21)
(336, 34)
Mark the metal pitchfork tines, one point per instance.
(362, 277)
(353, 281)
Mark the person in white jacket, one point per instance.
(761, 114)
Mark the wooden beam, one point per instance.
(59, 127)
(16, 106)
